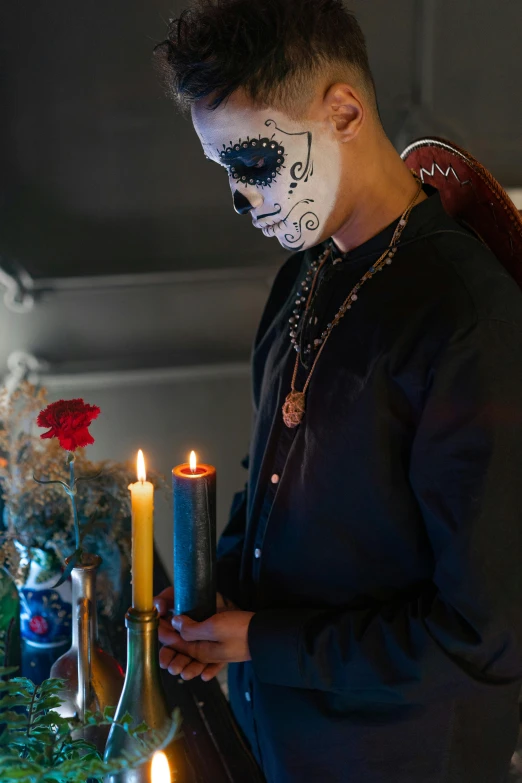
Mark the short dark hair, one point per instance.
(274, 50)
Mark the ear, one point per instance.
(344, 110)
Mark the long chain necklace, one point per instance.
(295, 403)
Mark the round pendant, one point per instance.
(294, 409)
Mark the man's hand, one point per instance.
(178, 663)
(164, 602)
(221, 639)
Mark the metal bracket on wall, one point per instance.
(18, 284)
(22, 366)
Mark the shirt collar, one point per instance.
(419, 222)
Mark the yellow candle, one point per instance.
(142, 495)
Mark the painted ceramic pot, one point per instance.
(45, 611)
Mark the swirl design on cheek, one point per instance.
(311, 225)
(306, 169)
(299, 165)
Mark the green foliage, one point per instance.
(37, 746)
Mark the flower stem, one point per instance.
(72, 495)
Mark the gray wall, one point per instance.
(142, 287)
(208, 410)
(464, 58)
(100, 174)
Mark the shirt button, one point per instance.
(275, 478)
(257, 554)
(247, 696)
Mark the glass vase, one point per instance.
(144, 698)
(94, 678)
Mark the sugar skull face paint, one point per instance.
(254, 161)
(285, 174)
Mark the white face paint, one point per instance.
(285, 174)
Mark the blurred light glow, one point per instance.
(160, 771)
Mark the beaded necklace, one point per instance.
(295, 403)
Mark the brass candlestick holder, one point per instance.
(143, 698)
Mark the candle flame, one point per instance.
(142, 476)
(193, 461)
(160, 770)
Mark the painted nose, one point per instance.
(241, 204)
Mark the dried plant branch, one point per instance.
(37, 513)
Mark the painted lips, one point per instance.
(269, 231)
(271, 228)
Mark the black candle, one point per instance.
(194, 490)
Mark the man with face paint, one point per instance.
(370, 591)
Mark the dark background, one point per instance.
(101, 176)
(132, 281)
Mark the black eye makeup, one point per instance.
(254, 161)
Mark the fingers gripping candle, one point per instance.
(194, 490)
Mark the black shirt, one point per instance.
(380, 542)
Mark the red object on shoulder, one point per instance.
(69, 420)
(470, 193)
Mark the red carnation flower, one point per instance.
(69, 420)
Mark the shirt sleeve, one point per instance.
(461, 629)
(230, 546)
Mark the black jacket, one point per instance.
(385, 564)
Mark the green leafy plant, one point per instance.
(37, 744)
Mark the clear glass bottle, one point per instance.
(94, 678)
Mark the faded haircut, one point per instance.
(276, 51)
